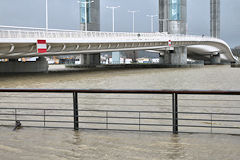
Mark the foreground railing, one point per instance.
(125, 110)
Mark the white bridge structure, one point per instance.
(17, 43)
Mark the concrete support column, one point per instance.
(14, 66)
(90, 60)
(161, 59)
(215, 59)
(115, 57)
(178, 56)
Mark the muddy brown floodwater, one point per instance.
(64, 144)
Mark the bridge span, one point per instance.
(23, 43)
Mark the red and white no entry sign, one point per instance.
(169, 43)
(41, 46)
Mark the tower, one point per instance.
(173, 16)
(173, 19)
(93, 15)
(215, 18)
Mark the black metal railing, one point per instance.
(174, 111)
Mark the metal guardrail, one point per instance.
(31, 32)
(73, 36)
(148, 110)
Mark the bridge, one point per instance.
(20, 43)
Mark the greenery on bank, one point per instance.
(236, 51)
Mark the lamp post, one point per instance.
(152, 17)
(46, 14)
(113, 16)
(85, 7)
(133, 13)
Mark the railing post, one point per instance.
(75, 110)
(15, 114)
(106, 119)
(139, 121)
(175, 112)
(44, 118)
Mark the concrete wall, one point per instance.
(13, 66)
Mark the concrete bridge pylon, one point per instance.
(173, 20)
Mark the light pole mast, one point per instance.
(133, 13)
(46, 14)
(152, 18)
(113, 16)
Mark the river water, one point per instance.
(32, 143)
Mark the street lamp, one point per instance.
(85, 7)
(133, 13)
(46, 14)
(113, 16)
(152, 17)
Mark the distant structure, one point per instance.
(173, 16)
(173, 20)
(93, 15)
(93, 24)
(215, 18)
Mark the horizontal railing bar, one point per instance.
(47, 121)
(39, 109)
(36, 115)
(147, 99)
(214, 100)
(156, 105)
(39, 127)
(165, 99)
(127, 124)
(195, 126)
(7, 120)
(117, 111)
(215, 120)
(224, 107)
(40, 121)
(48, 127)
(7, 114)
(205, 113)
(37, 97)
(209, 133)
(30, 103)
(125, 130)
(83, 111)
(111, 117)
(213, 92)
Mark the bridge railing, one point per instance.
(36, 33)
(174, 111)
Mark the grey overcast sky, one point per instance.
(64, 14)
